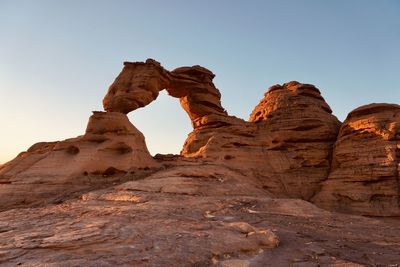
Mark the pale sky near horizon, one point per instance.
(57, 58)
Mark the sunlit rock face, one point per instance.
(285, 149)
(292, 97)
(364, 178)
(236, 190)
(197, 94)
(136, 86)
(303, 131)
(287, 144)
(110, 149)
(139, 83)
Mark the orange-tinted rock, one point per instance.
(287, 144)
(196, 92)
(139, 84)
(103, 192)
(303, 132)
(364, 178)
(111, 147)
(136, 86)
(197, 215)
(293, 96)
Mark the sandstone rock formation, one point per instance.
(235, 196)
(365, 173)
(46, 172)
(287, 144)
(136, 86)
(139, 83)
(197, 94)
(303, 132)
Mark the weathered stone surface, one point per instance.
(233, 196)
(281, 98)
(110, 148)
(129, 225)
(197, 94)
(136, 86)
(287, 144)
(303, 132)
(139, 84)
(364, 178)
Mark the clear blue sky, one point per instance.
(57, 58)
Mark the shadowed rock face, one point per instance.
(364, 177)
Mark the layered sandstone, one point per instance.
(364, 178)
(292, 96)
(198, 216)
(111, 147)
(303, 131)
(229, 199)
(139, 83)
(287, 144)
(197, 94)
(136, 86)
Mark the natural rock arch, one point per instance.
(139, 83)
(291, 146)
(287, 143)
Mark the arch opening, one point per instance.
(164, 124)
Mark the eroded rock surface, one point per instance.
(197, 94)
(111, 147)
(234, 197)
(287, 144)
(139, 83)
(157, 222)
(364, 178)
(136, 86)
(303, 131)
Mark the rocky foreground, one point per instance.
(289, 187)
